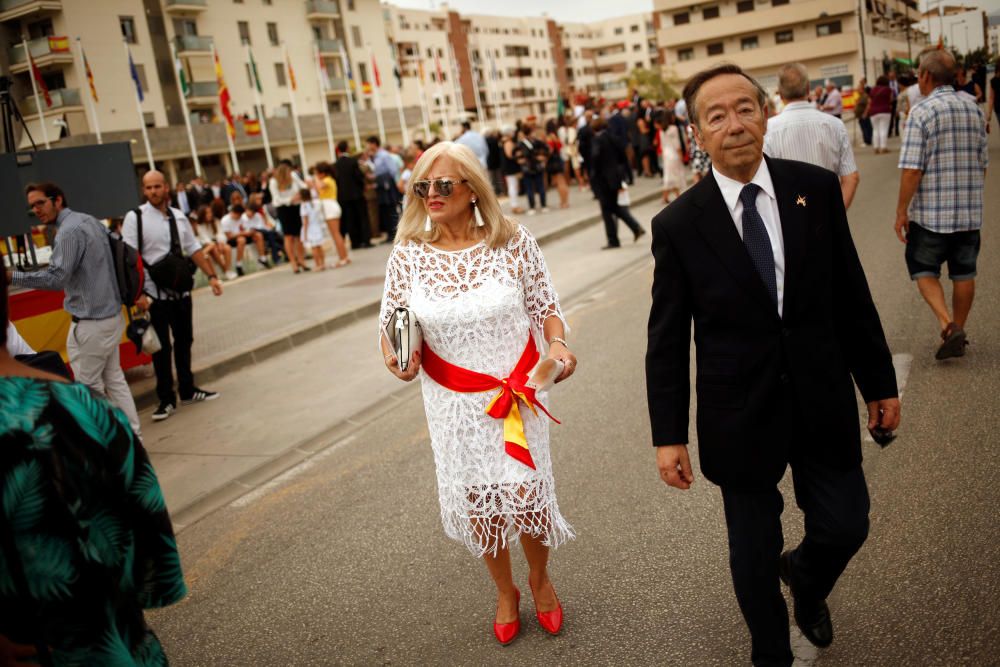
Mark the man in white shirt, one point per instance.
(802, 132)
(834, 103)
(169, 311)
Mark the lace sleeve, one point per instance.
(540, 297)
(397, 286)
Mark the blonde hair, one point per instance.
(283, 176)
(498, 229)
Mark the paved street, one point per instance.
(341, 558)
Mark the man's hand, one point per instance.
(884, 414)
(216, 286)
(142, 303)
(674, 466)
(902, 225)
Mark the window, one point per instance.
(244, 28)
(784, 36)
(363, 72)
(637, 47)
(619, 30)
(831, 28)
(685, 54)
(744, 6)
(430, 52)
(715, 49)
(710, 12)
(268, 3)
(141, 71)
(128, 29)
(634, 28)
(237, 2)
(748, 43)
(272, 34)
(682, 18)
(279, 74)
(778, 3)
(350, 5)
(356, 36)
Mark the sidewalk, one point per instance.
(271, 312)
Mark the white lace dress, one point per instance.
(476, 307)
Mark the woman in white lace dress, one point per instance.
(479, 286)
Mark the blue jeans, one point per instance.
(534, 184)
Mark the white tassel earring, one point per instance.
(479, 216)
(427, 224)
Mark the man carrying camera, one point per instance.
(81, 265)
(168, 247)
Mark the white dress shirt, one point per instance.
(803, 132)
(767, 207)
(156, 238)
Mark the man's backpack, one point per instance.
(130, 275)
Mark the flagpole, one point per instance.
(348, 80)
(260, 108)
(320, 68)
(34, 90)
(90, 98)
(440, 97)
(377, 94)
(475, 87)
(397, 75)
(138, 108)
(184, 109)
(291, 98)
(229, 139)
(456, 82)
(424, 108)
(493, 89)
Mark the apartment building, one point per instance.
(317, 35)
(827, 36)
(600, 55)
(964, 29)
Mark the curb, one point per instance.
(270, 348)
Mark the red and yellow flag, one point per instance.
(224, 99)
(36, 74)
(59, 44)
(90, 75)
(251, 126)
(366, 88)
(291, 74)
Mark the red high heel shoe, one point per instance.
(551, 621)
(506, 632)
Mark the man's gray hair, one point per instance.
(793, 82)
(939, 64)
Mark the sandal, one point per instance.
(954, 342)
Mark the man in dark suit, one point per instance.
(608, 164)
(760, 256)
(351, 197)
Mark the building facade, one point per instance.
(964, 29)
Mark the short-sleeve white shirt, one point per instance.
(156, 238)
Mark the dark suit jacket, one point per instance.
(350, 179)
(607, 165)
(769, 388)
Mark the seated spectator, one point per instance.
(238, 234)
(258, 220)
(88, 543)
(213, 240)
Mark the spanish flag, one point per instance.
(251, 126)
(90, 74)
(366, 88)
(59, 44)
(224, 99)
(291, 73)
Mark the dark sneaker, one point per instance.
(200, 395)
(953, 342)
(239, 270)
(263, 262)
(163, 411)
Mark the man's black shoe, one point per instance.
(611, 246)
(639, 233)
(812, 617)
(163, 411)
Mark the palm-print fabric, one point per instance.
(84, 511)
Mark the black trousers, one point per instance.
(866, 130)
(894, 119)
(354, 222)
(835, 504)
(611, 211)
(388, 216)
(173, 316)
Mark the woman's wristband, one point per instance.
(557, 339)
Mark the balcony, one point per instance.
(16, 9)
(193, 45)
(322, 10)
(336, 87)
(62, 100)
(182, 7)
(845, 45)
(203, 93)
(42, 52)
(760, 20)
(329, 47)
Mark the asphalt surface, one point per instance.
(342, 560)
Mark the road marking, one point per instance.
(802, 649)
(901, 362)
(290, 474)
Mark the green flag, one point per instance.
(253, 70)
(560, 107)
(185, 88)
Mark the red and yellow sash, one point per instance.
(504, 404)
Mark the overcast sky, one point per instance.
(586, 10)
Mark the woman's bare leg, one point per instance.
(503, 577)
(537, 555)
(319, 257)
(290, 252)
(333, 224)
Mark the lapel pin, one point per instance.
(801, 201)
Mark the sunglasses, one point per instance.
(442, 186)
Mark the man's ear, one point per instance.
(697, 136)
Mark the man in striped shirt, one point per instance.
(802, 132)
(81, 266)
(940, 208)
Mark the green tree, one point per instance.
(650, 84)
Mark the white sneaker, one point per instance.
(230, 275)
(531, 211)
(545, 209)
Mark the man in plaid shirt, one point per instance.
(940, 209)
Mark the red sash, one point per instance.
(504, 404)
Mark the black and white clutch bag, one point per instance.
(403, 332)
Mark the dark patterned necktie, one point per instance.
(757, 241)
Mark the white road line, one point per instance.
(290, 474)
(803, 650)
